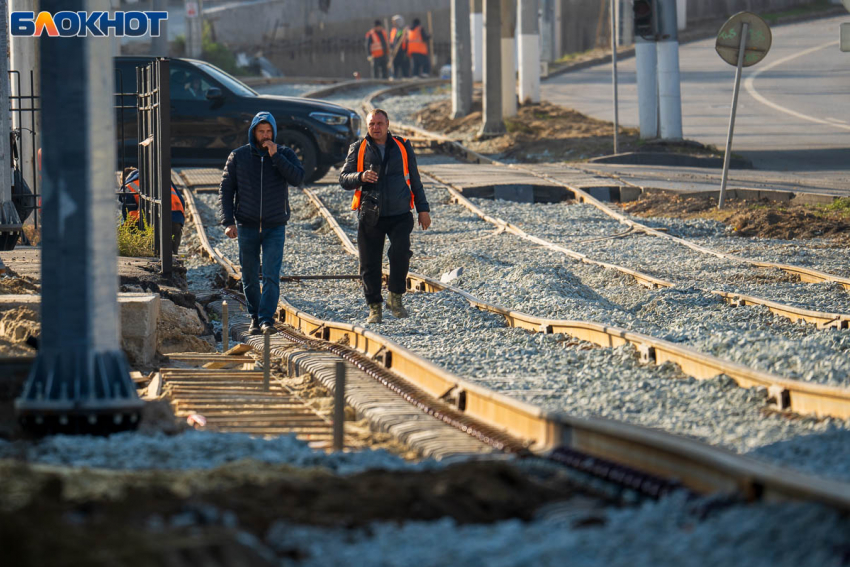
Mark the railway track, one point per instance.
(613, 445)
(797, 396)
(809, 275)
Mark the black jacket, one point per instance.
(254, 187)
(393, 190)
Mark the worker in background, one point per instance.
(377, 46)
(130, 206)
(417, 49)
(398, 48)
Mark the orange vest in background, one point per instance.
(361, 167)
(133, 187)
(395, 33)
(376, 47)
(415, 43)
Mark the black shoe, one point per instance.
(266, 326)
(254, 329)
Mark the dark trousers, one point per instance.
(370, 245)
(401, 66)
(379, 68)
(176, 235)
(421, 65)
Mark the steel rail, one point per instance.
(798, 396)
(807, 275)
(698, 466)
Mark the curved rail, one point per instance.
(798, 396)
(698, 466)
(820, 319)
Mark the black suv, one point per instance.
(211, 112)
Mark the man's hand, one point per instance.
(424, 220)
(271, 147)
(369, 177)
(230, 231)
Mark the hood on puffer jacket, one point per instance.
(261, 117)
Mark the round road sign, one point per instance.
(759, 39)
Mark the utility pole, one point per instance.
(80, 380)
(529, 52)
(24, 55)
(547, 46)
(509, 105)
(669, 91)
(492, 115)
(159, 45)
(646, 62)
(614, 42)
(477, 31)
(8, 214)
(194, 29)
(461, 60)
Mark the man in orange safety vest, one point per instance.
(381, 169)
(130, 206)
(377, 48)
(417, 49)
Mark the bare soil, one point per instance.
(17, 285)
(763, 219)
(93, 517)
(545, 132)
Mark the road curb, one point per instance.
(670, 159)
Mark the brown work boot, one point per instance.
(375, 313)
(395, 306)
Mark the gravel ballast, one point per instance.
(548, 370)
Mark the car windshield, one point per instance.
(231, 83)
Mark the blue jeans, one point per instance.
(251, 241)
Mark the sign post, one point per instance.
(743, 41)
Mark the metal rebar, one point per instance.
(225, 327)
(266, 358)
(339, 407)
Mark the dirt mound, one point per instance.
(16, 327)
(48, 515)
(764, 219)
(542, 132)
(17, 285)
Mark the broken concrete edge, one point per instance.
(299, 362)
(773, 195)
(670, 160)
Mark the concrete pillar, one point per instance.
(547, 16)
(509, 104)
(461, 60)
(646, 62)
(681, 14)
(8, 214)
(529, 52)
(557, 29)
(476, 25)
(80, 380)
(669, 91)
(159, 45)
(492, 103)
(627, 23)
(24, 58)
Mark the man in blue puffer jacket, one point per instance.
(255, 208)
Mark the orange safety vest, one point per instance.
(395, 33)
(361, 167)
(415, 43)
(376, 47)
(176, 204)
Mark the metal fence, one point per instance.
(151, 108)
(24, 105)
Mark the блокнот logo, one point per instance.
(98, 24)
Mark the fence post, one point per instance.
(267, 358)
(339, 407)
(225, 328)
(163, 150)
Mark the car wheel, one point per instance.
(320, 172)
(303, 148)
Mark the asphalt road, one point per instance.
(793, 110)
